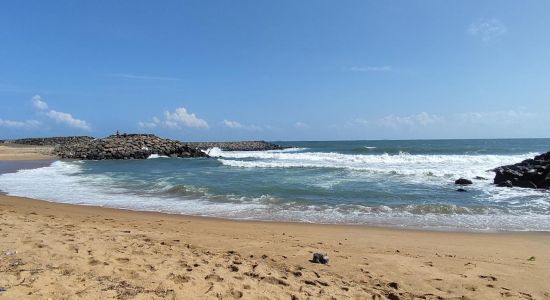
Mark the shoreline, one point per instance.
(29, 160)
(124, 252)
(260, 221)
(281, 222)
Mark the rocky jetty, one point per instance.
(126, 146)
(238, 146)
(530, 173)
(50, 141)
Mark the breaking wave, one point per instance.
(300, 185)
(65, 182)
(402, 163)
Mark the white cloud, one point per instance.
(180, 117)
(232, 124)
(488, 29)
(502, 117)
(176, 120)
(422, 119)
(28, 124)
(238, 125)
(39, 103)
(68, 119)
(145, 77)
(300, 125)
(372, 69)
(512, 122)
(59, 117)
(153, 124)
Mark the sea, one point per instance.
(404, 184)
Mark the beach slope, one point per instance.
(63, 251)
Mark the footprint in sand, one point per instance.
(470, 288)
(178, 278)
(273, 280)
(488, 277)
(236, 294)
(393, 285)
(123, 259)
(213, 277)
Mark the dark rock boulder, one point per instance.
(463, 181)
(530, 173)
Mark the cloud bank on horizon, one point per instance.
(182, 120)
(368, 70)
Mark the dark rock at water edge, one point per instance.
(237, 146)
(463, 181)
(530, 173)
(126, 146)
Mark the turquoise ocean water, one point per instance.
(387, 183)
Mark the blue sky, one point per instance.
(276, 70)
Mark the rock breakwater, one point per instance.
(530, 173)
(237, 146)
(126, 146)
(50, 141)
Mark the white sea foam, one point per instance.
(402, 168)
(67, 182)
(63, 182)
(400, 164)
(217, 152)
(152, 156)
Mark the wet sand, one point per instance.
(61, 251)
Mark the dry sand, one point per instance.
(24, 152)
(63, 251)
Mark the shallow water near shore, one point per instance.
(387, 183)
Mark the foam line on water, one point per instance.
(403, 163)
(153, 156)
(68, 183)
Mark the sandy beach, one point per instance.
(63, 251)
(377, 150)
(24, 152)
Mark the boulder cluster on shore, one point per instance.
(530, 173)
